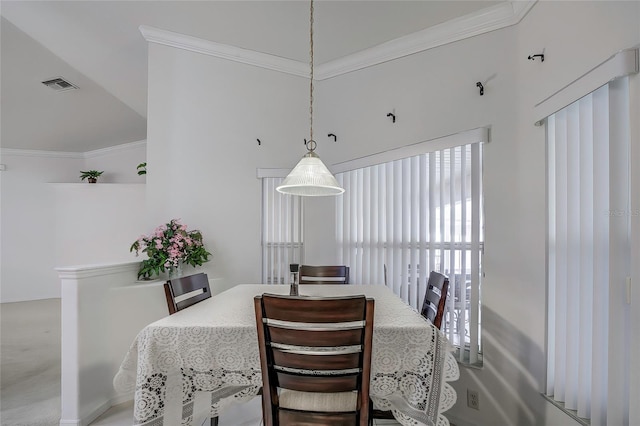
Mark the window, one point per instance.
(403, 216)
(282, 236)
(588, 255)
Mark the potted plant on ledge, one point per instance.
(90, 175)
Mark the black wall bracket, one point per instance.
(331, 135)
(533, 57)
(478, 84)
(393, 117)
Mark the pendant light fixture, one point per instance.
(310, 177)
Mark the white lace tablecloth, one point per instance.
(207, 356)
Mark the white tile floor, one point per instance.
(249, 414)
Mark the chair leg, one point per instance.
(214, 421)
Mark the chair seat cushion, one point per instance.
(317, 401)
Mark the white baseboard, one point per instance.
(458, 421)
(89, 417)
(119, 399)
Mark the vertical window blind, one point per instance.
(399, 220)
(282, 232)
(589, 255)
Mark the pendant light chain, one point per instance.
(310, 177)
(311, 144)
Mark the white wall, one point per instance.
(434, 94)
(576, 37)
(514, 297)
(100, 319)
(28, 225)
(205, 115)
(97, 223)
(634, 374)
(30, 213)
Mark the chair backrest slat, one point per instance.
(319, 419)
(315, 309)
(324, 274)
(317, 383)
(186, 291)
(315, 338)
(299, 361)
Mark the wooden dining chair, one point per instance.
(186, 291)
(435, 300)
(324, 274)
(315, 355)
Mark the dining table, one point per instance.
(206, 358)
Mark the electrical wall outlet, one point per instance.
(473, 400)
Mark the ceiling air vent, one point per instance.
(59, 84)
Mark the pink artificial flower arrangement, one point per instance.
(167, 247)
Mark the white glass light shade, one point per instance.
(310, 178)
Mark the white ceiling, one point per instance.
(97, 46)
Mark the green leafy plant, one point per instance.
(90, 175)
(167, 246)
(142, 169)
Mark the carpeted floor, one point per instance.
(30, 363)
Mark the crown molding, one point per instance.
(224, 51)
(490, 19)
(486, 20)
(37, 153)
(114, 149)
(77, 155)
